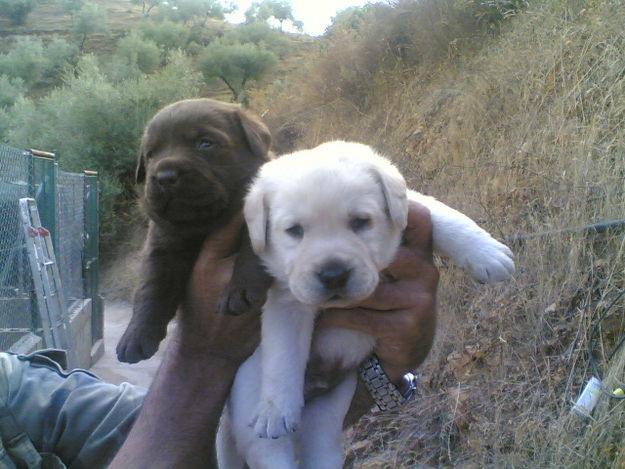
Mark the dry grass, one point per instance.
(523, 132)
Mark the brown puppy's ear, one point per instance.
(140, 171)
(256, 133)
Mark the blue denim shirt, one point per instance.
(73, 415)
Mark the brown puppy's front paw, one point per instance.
(139, 343)
(239, 299)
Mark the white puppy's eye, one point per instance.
(296, 231)
(359, 223)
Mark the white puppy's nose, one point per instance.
(334, 275)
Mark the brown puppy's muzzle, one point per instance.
(179, 191)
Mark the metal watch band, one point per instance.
(385, 394)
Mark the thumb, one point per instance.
(225, 241)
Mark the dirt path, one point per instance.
(116, 317)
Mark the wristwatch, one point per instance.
(386, 395)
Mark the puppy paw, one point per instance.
(139, 343)
(488, 260)
(239, 299)
(272, 421)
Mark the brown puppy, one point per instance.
(196, 158)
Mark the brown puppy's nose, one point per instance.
(167, 177)
(334, 275)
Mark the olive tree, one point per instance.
(86, 21)
(279, 10)
(236, 64)
(16, 10)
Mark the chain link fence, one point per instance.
(68, 206)
(70, 218)
(17, 316)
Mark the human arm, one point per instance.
(180, 416)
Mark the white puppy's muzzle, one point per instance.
(333, 279)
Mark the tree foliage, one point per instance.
(259, 33)
(16, 10)
(11, 89)
(279, 10)
(166, 34)
(32, 62)
(235, 64)
(86, 21)
(96, 124)
(195, 11)
(138, 52)
(25, 60)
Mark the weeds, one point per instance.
(524, 132)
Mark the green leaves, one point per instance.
(235, 64)
(16, 10)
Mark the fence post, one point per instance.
(44, 190)
(91, 259)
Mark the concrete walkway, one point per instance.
(116, 317)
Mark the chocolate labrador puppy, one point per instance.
(196, 158)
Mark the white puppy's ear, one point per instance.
(256, 215)
(393, 187)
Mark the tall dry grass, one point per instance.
(524, 132)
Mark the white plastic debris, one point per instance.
(588, 398)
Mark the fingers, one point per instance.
(362, 320)
(418, 233)
(410, 263)
(402, 294)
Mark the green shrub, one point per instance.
(166, 34)
(279, 10)
(261, 34)
(25, 60)
(16, 10)
(58, 54)
(87, 21)
(96, 124)
(139, 52)
(194, 11)
(10, 90)
(235, 64)
(32, 62)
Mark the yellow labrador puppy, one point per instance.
(325, 222)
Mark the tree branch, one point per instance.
(232, 90)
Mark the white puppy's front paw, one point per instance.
(488, 260)
(274, 421)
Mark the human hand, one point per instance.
(202, 329)
(401, 314)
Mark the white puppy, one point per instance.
(325, 222)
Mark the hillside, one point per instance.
(522, 130)
(511, 111)
(49, 19)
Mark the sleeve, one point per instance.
(74, 415)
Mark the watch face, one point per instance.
(407, 385)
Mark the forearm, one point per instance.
(180, 416)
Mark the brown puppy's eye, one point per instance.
(357, 224)
(205, 144)
(296, 231)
